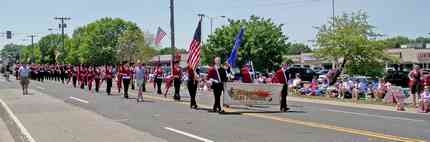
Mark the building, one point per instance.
(409, 56)
(308, 59)
(164, 60)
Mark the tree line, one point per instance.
(348, 40)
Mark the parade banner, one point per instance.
(249, 94)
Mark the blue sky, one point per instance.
(392, 17)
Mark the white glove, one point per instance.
(214, 81)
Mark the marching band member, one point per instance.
(108, 76)
(97, 78)
(90, 78)
(126, 77)
(69, 74)
(132, 79)
(177, 76)
(74, 76)
(119, 77)
(159, 74)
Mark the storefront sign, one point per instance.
(423, 56)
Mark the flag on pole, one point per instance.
(160, 35)
(253, 74)
(194, 49)
(233, 56)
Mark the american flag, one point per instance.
(160, 35)
(194, 50)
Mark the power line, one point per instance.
(290, 4)
(62, 26)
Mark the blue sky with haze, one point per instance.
(392, 17)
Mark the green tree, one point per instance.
(263, 42)
(51, 48)
(28, 52)
(396, 42)
(297, 48)
(145, 54)
(129, 43)
(422, 40)
(349, 42)
(11, 52)
(169, 51)
(97, 42)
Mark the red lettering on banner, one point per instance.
(423, 56)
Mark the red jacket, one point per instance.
(108, 74)
(246, 76)
(220, 77)
(279, 77)
(126, 73)
(177, 73)
(159, 72)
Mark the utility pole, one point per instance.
(172, 32)
(332, 7)
(62, 26)
(32, 48)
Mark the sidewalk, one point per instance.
(350, 104)
(5, 135)
(51, 120)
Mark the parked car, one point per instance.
(397, 78)
(306, 74)
(321, 78)
(322, 72)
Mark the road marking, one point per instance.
(20, 126)
(39, 87)
(121, 120)
(374, 115)
(80, 100)
(188, 134)
(312, 124)
(339, 129)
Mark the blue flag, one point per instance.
(233, 56)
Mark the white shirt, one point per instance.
(24, 72)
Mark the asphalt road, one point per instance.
(310, 122)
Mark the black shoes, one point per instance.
(285, 109)
(193, 106)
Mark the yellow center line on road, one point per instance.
(308, 124)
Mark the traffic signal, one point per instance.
(8, 35)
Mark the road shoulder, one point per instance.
(50, 119)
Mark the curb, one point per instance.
(17, 130)
(344, 104)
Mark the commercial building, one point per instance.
(408, 55)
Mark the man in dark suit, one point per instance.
(217, 76)
(282, 77)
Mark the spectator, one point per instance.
(24, 73)
(354, 91)
(297, 82)
(425, 100)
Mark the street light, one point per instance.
(211, 18)
(52, 29)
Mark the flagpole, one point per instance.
(172, 33)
